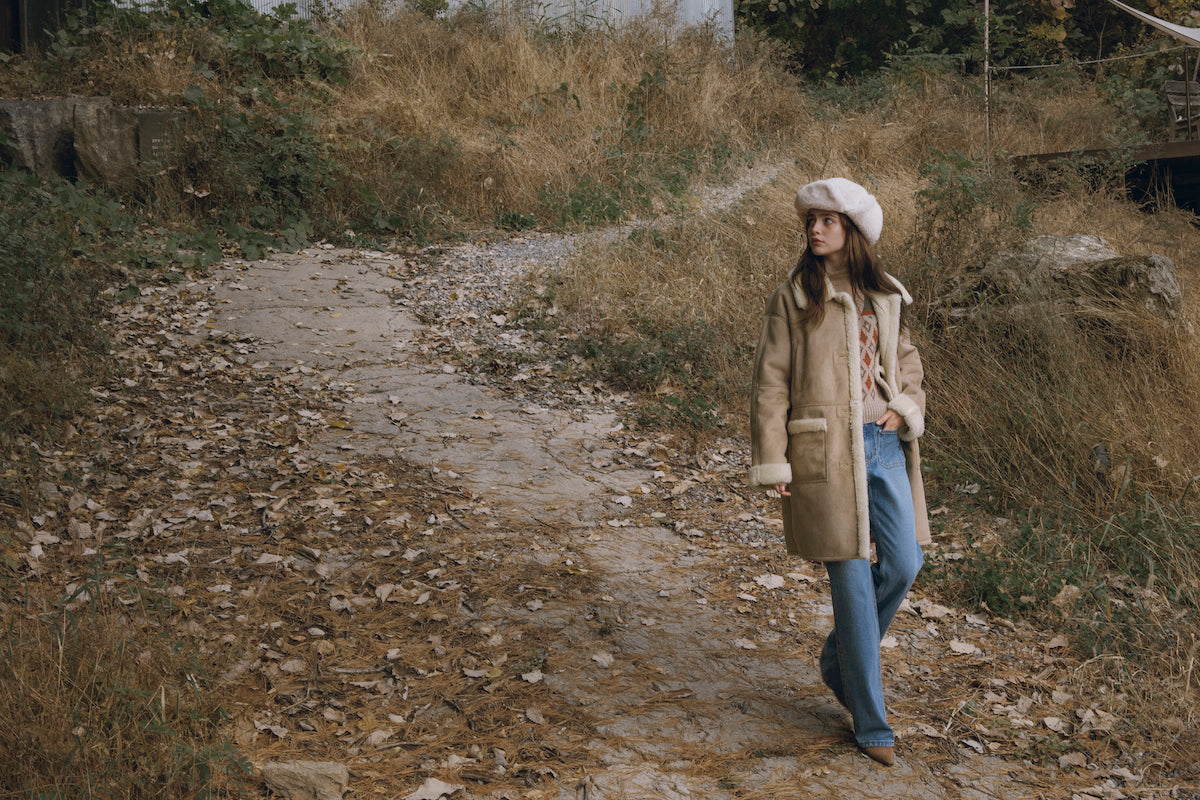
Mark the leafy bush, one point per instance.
(264, 168)
(126, 51)
(50, 308)
(835, 39)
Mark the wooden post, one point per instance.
(1187, 98)
(987, 76)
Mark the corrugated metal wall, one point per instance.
(718, 13)
(25, 21)
(580, 12)
(304, 7)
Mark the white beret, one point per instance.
(839, 194)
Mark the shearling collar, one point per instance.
(802, 301)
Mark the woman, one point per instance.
(836, 411)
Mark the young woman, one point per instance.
(836, 411)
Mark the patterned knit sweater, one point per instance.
(874, 403)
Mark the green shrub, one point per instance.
(264, 167)
(50, 307)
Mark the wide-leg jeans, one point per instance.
(866, 596)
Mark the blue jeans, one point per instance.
(866, 596)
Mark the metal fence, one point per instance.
(304, 7)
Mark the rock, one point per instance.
(83, 137)
(1064, 276)
(106, 142)
(1064, 252)
(1151, 280)
(307, 780)
(38, 135)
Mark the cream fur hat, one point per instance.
(839, 194)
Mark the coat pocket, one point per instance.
(807, 450)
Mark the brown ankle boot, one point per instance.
(884, 755)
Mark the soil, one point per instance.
(417, 550)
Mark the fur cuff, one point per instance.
(770, 474)
(903, 405)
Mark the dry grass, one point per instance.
(95, 703)
(459, 121)
(534, 115)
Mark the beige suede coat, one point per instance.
(806, 418)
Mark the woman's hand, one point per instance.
(782, 489)
(891, 421)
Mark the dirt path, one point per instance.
(676, 636)
(411, 548)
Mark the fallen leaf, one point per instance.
(1072, 760)
(603, 659)
(931, 610)
(433, 789)
(278, 730)
(377, 738)
(1067, 595)
(930, 731)
(535, 716)
(770, 581)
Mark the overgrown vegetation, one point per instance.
(384, 123)
(390, 123)
(55, 246)
(95, 701)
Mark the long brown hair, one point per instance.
(866, 273)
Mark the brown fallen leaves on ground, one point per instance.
(368, 612)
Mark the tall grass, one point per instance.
(491, 118)
(97, 701)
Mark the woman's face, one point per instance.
(825, 232)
